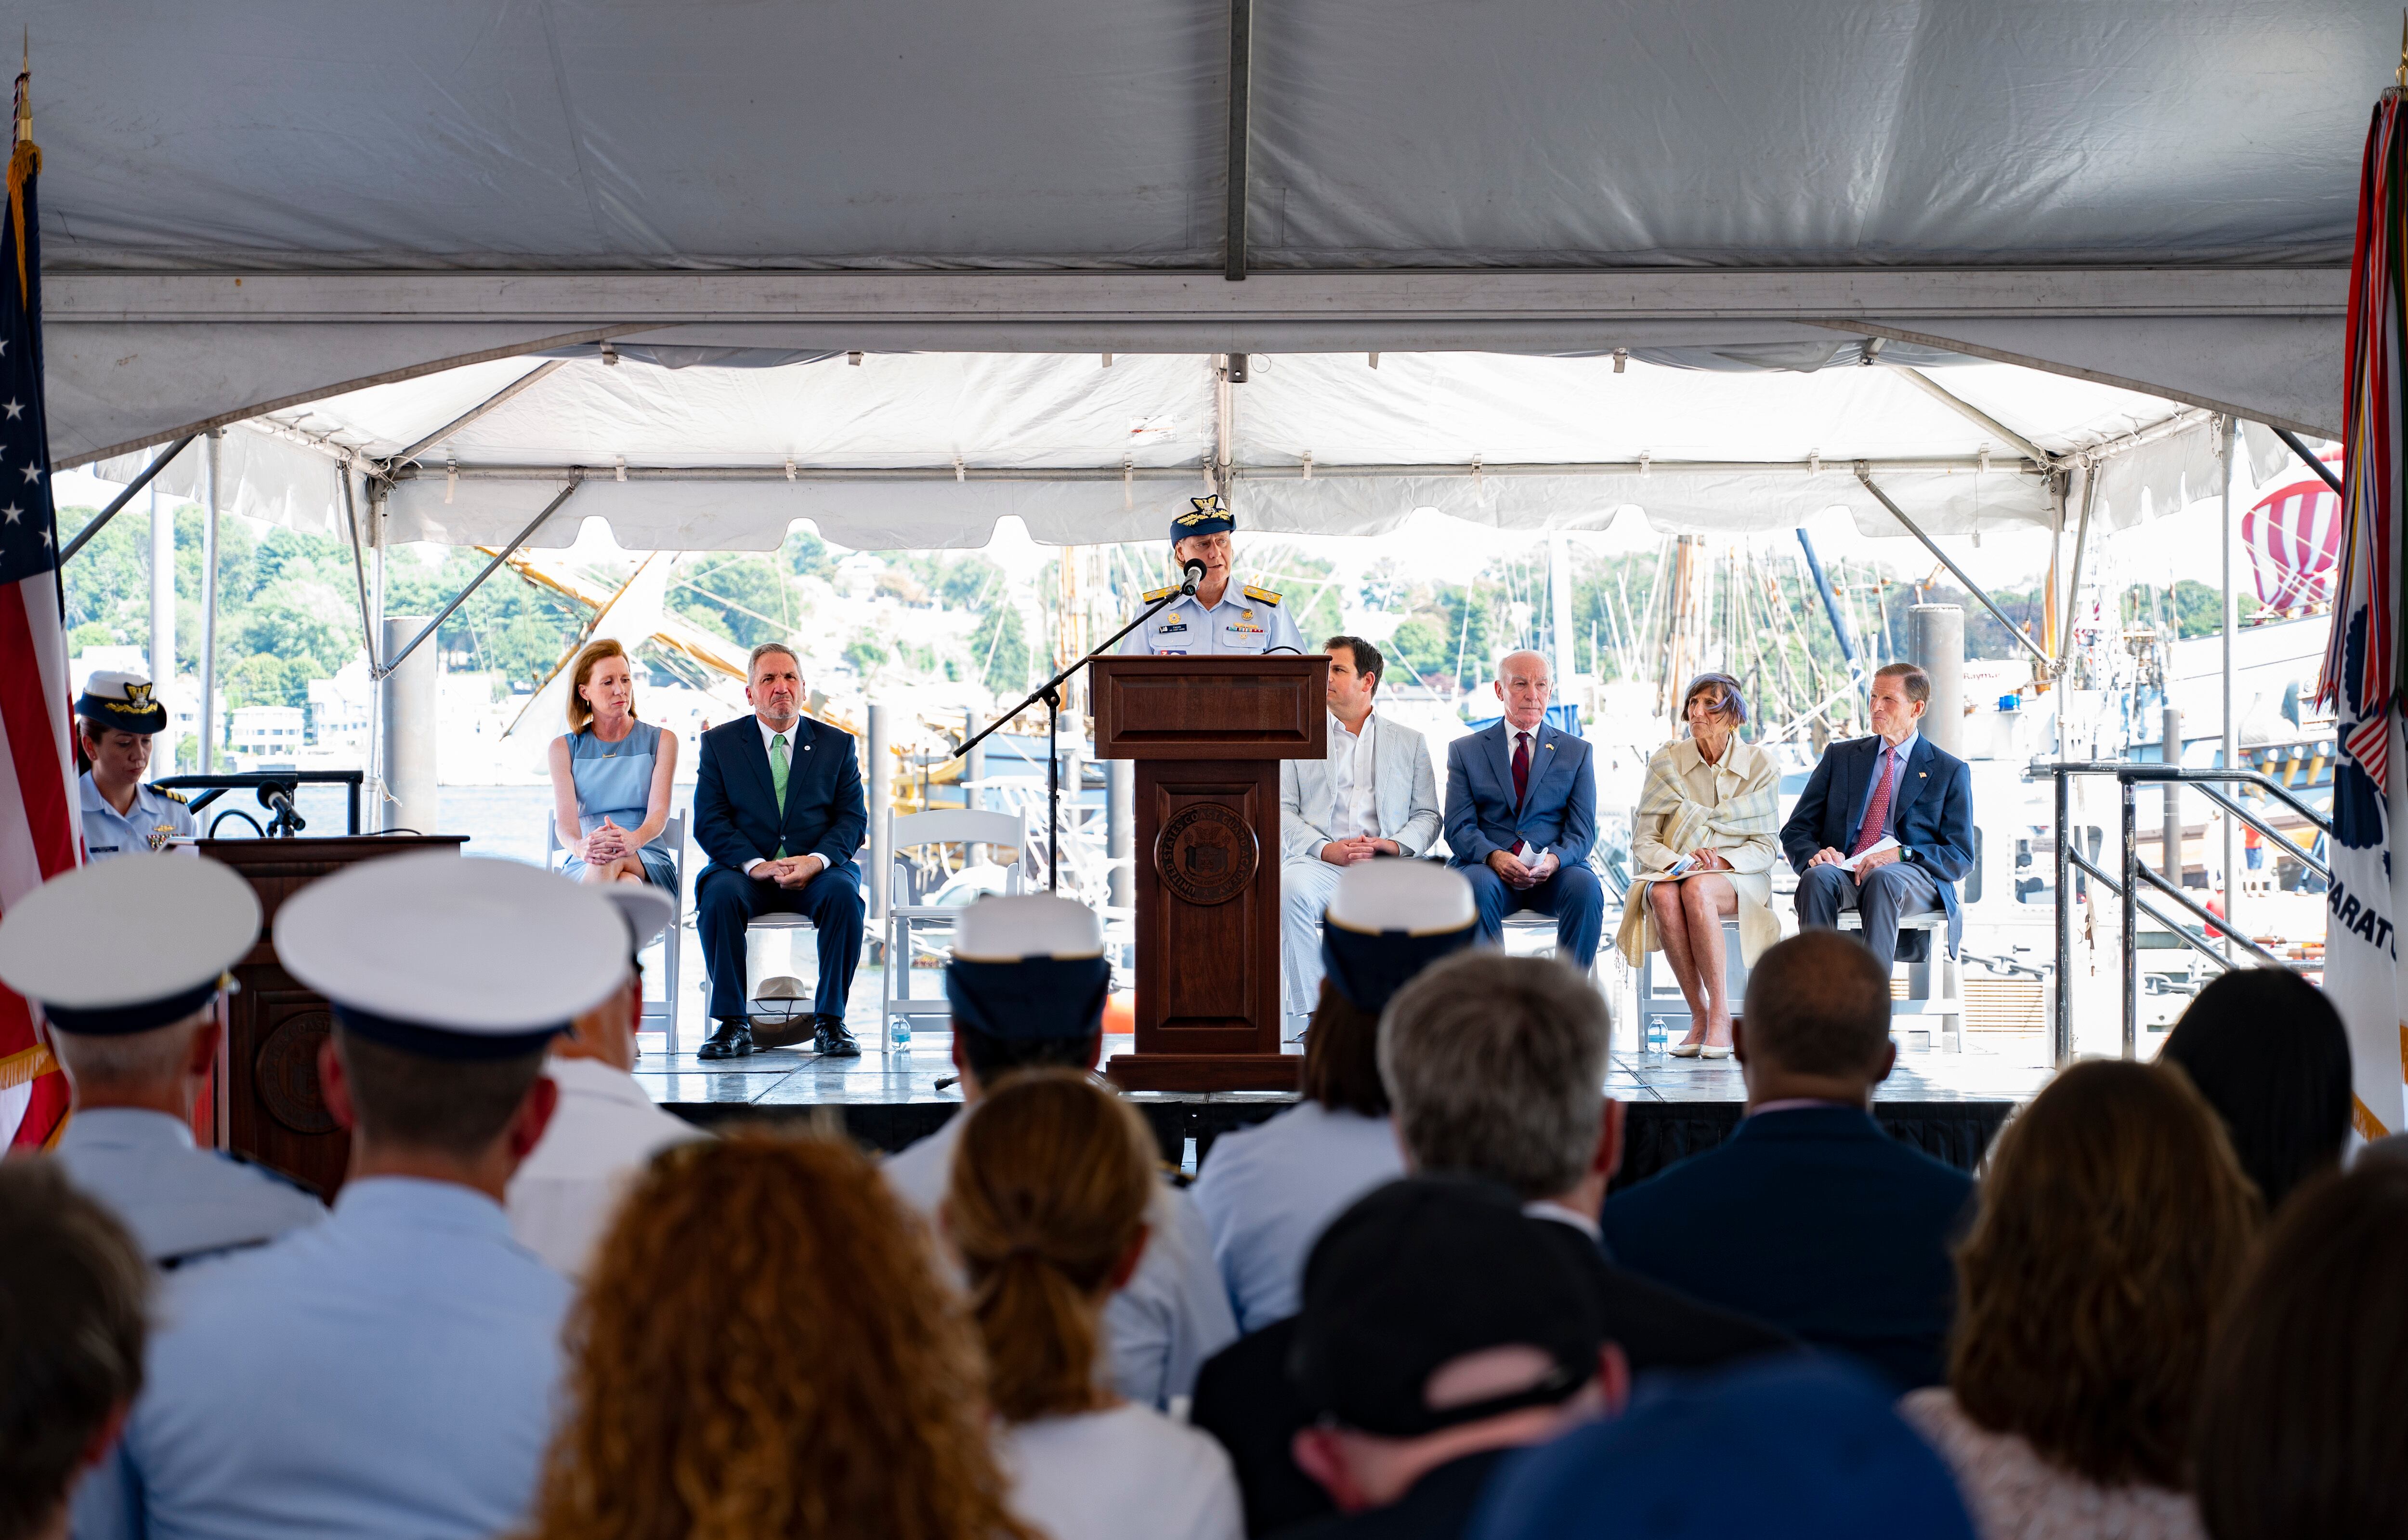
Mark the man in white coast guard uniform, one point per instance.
(128, 960)
(1213, 622)
(390, 1371)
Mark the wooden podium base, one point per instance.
(1205, 1072)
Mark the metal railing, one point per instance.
(2130, 775)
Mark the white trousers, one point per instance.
(1306, 887)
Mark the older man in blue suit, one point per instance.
(1521, 815)
(1895, 787)
(778, 808)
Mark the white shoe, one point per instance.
(1684, 1050)
(1713, 1050)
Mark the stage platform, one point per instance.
(1950, 1105)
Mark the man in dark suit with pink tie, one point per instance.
(1885, 826)
(1521, 815)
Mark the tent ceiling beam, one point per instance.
(384, 669)
(1975, 415)
(84, 535)
(1241, 73)
(598, 304)
(2047, 664)
(1321, 472)
(532, 376)
(1873, 327)
(2324, 471)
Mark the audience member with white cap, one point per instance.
(116, 718)
(1027, 984)
(1268, 1191)
(390, 1370)
(605, 1128)
(128, 961)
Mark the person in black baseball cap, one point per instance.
(1440, 1328)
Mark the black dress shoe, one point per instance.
(832, 1041)
(728, 1040)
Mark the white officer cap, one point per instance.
(453, 956)
(121, 700)
(1388, 920)
(124, 946)
(1011, 927)
(1028, 967)
(1418, 898)
(647, 910)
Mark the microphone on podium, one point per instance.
(1194, 574)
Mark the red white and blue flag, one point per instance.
(37, 817)
(2293, 538)
(2361, 662)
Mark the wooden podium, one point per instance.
(1208, 734)
(267, 1103)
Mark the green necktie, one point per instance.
(779, 761)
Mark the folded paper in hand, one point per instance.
(1853, 862)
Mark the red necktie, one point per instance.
(1520, 768)
(1877, 808)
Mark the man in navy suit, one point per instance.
(1810, 1216)
(1893, 786)
(1521, 815)
(777, 807)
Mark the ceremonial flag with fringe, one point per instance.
(2362, 672)
(38, 839)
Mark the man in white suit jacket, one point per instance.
(1374, 794)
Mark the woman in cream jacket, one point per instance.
(1703, 845)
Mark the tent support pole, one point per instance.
(1241, 70)
(532, 376)
(1971, 587)
(2074, 589)
(84, 535)
(2232, 437)
(2322, 470)
(1975, 415)
(383, 671)
(209, 600)
(358, 565)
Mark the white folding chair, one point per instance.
(1661, 1004)
(1934, 988)
(663, 1014)
(911, 926)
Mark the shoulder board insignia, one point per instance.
(172, 795)
(1158, 593)
(1261, 596)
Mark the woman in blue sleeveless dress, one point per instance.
(612, 777)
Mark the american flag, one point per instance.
(38, 821)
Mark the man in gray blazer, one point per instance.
(1374, 794)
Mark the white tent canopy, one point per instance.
(929, 450)
(256, 207)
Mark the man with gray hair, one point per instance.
(778, 808)
(1521, 815)
(1496, 1067)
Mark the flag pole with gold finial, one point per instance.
(24, 160)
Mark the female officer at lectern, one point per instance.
(1214, 622)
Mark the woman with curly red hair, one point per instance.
(2113, 1230)
(711, 1396)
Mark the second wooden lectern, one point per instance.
(1208, 734)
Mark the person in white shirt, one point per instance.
(1374, 794)
(1268, 1191)
(563, 1194)
(1046, 1206)
(1014, 1010)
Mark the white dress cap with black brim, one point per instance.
(647, 910)
(124, 946)
(1387, 921)
(453, 956)
(1028, 966)
(125, 702)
